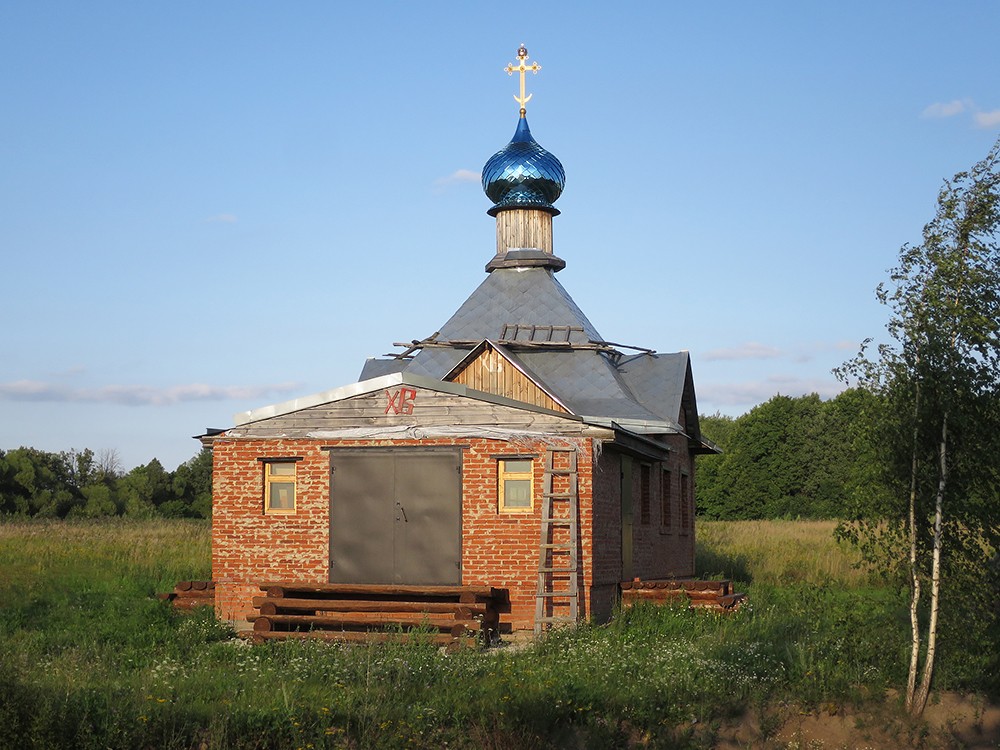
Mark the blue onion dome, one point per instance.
(523, 175)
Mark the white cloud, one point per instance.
(221, 219)
(944, 109)
(138, 395)
(459, 176)
(987, 119)
(749, 393)
(749, 350)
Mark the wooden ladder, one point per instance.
(558, 559)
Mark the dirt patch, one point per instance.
(950, 721)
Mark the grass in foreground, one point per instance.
(89, 660)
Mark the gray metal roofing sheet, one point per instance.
(657, 380)
(435, 363)
(376, 367)
(530, 296)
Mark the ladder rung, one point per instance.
(558, 564)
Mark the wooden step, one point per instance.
(290, 604)
(362, 621)
(295, 608)
(700, 594)
(283, 588)
(439, 639)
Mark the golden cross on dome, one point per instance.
(522, 67)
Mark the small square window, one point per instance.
(279, 487)
(515, 485)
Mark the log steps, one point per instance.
(190, 594)
(443, 615)
(711, 595)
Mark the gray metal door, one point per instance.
(395, 516)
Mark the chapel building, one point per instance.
(514, 448)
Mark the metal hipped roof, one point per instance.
(558, 347)
(517, 295)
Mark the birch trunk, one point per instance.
(911, 680)
(920, 699)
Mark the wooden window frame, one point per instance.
(280, 479)
(666, 501)
(503, 474)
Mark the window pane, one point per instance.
(282, 470)
(517, 493)
(517, 467)
(282, 496)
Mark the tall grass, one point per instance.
(779, 553)
(88, 659)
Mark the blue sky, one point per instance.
(210, 207)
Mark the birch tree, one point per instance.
(938, 377)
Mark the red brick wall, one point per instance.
(657, 552)
(249, 547)
(499, 549)
(607, 535)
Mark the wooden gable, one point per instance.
(487, 368)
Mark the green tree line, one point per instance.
(72, 484)
(789, 458)
(786, 458)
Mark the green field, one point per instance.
(90, 659)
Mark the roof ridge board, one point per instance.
(512, 344)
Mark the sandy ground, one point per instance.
(950, 721)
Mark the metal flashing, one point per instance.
(525, 257)
(637, 426)
(637, 444)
